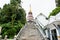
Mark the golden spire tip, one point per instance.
(30, 7)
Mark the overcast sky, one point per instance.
(38, 6)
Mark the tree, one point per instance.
(12, 19)
(55, 11)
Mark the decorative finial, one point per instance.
(30, 7)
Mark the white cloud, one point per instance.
(44, 6)
(2, 2)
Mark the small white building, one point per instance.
(50, 26)
(53, 28)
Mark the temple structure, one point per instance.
(30, 31)
(30, 15)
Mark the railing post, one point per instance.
(0, 29)
(5, 37)
(0, 32)
(0, 37)
(15, 37)
(45, 38)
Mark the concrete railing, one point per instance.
(7, 38)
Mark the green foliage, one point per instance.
(12, 18)
(10, 31)
(15, 2)
(55, 11)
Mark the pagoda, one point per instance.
(30, 15)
